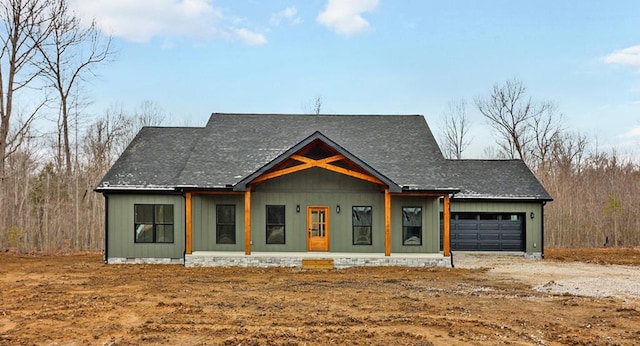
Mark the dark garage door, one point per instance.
(485, 232)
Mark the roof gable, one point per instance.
(308, 144)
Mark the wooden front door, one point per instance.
(318, 229)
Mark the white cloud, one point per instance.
(632, 133)
(289, 15)
(345, 16)
(627, 56)
(249, 37)
(143, 20)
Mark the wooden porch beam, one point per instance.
(247, 221)
(189, 225)
(387, 222)
(282, 172)
(329, 159)
(193, 193)
(322, 163)
(418, 194)
(351, 173)
(447, 225)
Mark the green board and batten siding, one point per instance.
(532, 227)
(314, 187)
(317, 187)
(430, 224)
(203, 211)
(121, 227)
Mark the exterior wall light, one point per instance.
(298, 208)
(338, 208)
(531, 215)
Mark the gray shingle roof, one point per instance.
(153, 160)
(231, 147)
(495, 179)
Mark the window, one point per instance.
(361, 223)
(411, 226)
(488, 217)
(467, 216)
(225, 224)
(153, 223)
(275, 224)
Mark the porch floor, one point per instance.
(294, 259)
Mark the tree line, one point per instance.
(48, 56)
(596, 193)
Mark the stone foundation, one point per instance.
(533, 255)
(340, 262)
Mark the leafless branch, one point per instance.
(455, 129)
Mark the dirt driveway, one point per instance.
(77, 300)
(553, 276)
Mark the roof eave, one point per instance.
(132, 188)
(504, 198)
(447, 190)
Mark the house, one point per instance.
(274, 189)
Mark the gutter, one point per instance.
(184, 252)
(133, 188)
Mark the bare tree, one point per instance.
(105, 139)
(69, 55)
(509, 111)
(315, 106)
(455, 129)
(569, 151)
(24, 25)
(148, 113)
(546, 130)
(109, 136)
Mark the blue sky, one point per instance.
(195, 57)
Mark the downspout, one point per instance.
(184, 252)
(106, 228)
(542, 229)
(450, 251)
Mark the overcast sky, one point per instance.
(195, 57)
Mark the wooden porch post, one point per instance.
(189, 225)
(247, 221)
(387, 222)
(447, 225)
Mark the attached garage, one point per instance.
(500, 207)
(487, 232)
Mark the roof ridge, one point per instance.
(314, 115)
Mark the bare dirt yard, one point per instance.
(577, 297)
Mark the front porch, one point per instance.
(294, 259)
